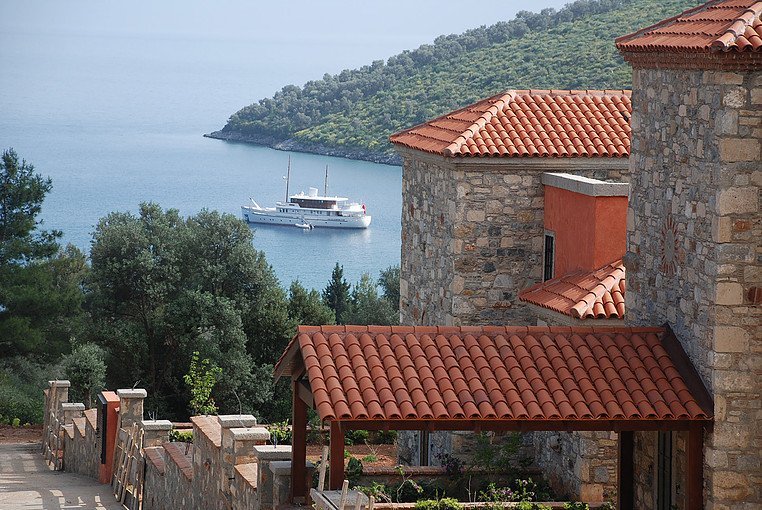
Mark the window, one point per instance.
(664, 472)
(547, 260)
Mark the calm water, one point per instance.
(111, 100)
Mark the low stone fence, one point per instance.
(229, 464)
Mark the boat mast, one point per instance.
(325, 192)
(288, 177)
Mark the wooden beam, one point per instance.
(695, 474)
(337, 456)
(299, 448)
(499, 425)
(305, 393)
(626, 471)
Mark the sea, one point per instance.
(111, 99)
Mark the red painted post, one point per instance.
(299, 448)
(337, 456)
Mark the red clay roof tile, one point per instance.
(530, 123)
(596, 295)
(496, 373)
(719, 25)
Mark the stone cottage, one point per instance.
(694, 238)
(472, 222)
(478, 207)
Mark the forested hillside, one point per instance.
(353, 113)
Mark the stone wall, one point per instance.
(694, 258)
(472, 235)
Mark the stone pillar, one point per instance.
(265, 455)
(227, 423)
(155, 432)
(70, 411)
(281, 476)
(130, 406)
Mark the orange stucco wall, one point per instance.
(590, 231)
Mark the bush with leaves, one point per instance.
(201, 377)
(367, 307)
(439, 504)
(280, 433)
(85, 368)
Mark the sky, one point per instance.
(403, 20)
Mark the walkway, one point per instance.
(26, 483)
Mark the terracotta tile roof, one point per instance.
(530, 123)
(719, 25)
(583, 295)
(505, 373)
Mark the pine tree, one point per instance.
(336, 294)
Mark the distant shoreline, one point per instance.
(310, 148)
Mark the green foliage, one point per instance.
(336, 294)
(40, 288)
(356, 437)
(389, 281)
(378, 490)
(22, 192)
(576, 506)
(307, 307)
(366, 307)
(353, 471)
(280, 433)
(180, 436)
(200, 379)
(497, 456)
(572, 48)
(85, 368)
(384, 437)
(370, 458)
(528, 505)
(21, 380)
(438, 504)
(162, 287)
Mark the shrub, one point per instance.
(576, 506)
(356, 437)
(453, 465)
(280, 433)
(181, 436)
(378, 490)
(201, 377)
(353, 471)
(85, 368)
(384, 437)
(438, 504)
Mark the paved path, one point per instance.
(26, 483)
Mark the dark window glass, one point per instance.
(664, 472)
(547, 272)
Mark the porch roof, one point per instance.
(530, 375)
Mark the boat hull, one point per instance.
(270, 217)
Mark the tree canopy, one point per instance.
(572, 48)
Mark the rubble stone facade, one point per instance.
(695, 260)
(472, 234)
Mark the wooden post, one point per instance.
(299, 448)
(337, 456)
(626, 471)
(695, 475)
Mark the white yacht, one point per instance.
(310, 210)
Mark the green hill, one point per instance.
(353, 113)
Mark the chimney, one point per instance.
(585, 223)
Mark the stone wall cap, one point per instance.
(586, 185)
(283, 467)
(132, 393)
(156, 425)
(231, 421)
(72, 406)
(272, 452)
(250, 434)
(59, 384)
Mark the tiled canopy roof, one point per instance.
(530, 123)
(719, 25)
(596, 295)
(495, 373)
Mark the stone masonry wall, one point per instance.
(472, 235)
(694, 256)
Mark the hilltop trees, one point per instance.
(336, 293)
